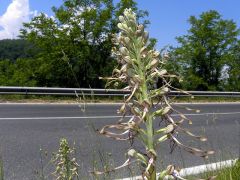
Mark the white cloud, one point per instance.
(11, 21)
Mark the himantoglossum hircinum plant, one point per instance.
(139, 68)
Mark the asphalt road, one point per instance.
(27, 128)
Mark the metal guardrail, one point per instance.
(206, 93)
(100, 92)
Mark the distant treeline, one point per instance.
(74, 48)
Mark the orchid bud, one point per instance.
(124, 68)
(152, 75)
(127, 40)
(169, 129)
(131, 82)
(116, 71)
(143, 49)
(124, 51)
(127, 59)
(136, 79)
(116, 84)
(139, 33)
(126, 12)
(140, 40)
(166, 110)
(130, 72)
(123, 26)
(166, 55)
(120, 26)
(156, 54)
(126, 28)
(122, 109)
(203, 139)
(114, 49)
(121, 19)
(162, 72)
(170, 169)
(153, 63)
(136, 110)
(132, 23)
(162, 111)
(163, 138)
(140, 27)
(145, 36)
(165, 89)
(121, 39)
(132, 17)
(132, 152)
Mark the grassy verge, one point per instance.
(206, 99)
(1, 169)
(57, 99)
(231, 173)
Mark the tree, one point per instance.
(25, 71)
(206, 50)
(22, 72)
(233, 70)
(6, 71)
(80, 32)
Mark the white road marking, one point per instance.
(107, 117)
(197, 169)
(79, 117)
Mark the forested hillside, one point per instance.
(12, 49)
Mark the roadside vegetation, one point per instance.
(1, 169)
(230, 173)
(207, 57)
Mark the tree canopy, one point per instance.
(80, 31)
(206, 51)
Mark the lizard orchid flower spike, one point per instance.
(139, 68)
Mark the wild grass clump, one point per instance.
(65, 162)
(1, 169)
(231, 173)
(140, 67)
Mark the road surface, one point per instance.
(27, 128)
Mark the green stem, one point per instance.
(148, 119)
(149, 125)
(150, 145)
(150, 131)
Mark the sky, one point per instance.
(168, 17)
